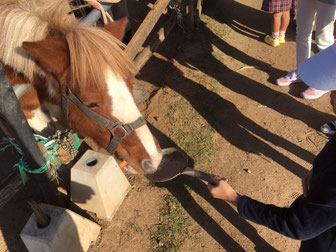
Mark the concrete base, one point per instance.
(98, 185)
(67, 231)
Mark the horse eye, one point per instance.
(93, 105)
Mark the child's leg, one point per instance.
(283, 26)
(284, 22)
(276, 23)
(273, 40)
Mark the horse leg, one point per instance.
(56, 115)
(33, 111)
(37, 119)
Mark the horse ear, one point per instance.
(117, 28)
(51, 54)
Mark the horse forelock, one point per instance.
(93, 52)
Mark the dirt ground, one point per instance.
(213, 96)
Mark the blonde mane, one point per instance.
(90, 48)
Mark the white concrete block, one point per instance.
(67, 231)
(98, 184)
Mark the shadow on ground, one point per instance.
(178, 188)
(222, 115)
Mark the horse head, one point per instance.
(88, 65)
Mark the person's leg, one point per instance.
(273, 39)
(285, 17)
(305, 14)
(120, 10)
(276, 23)
(324, 29)
(325, 17)
(306, 10)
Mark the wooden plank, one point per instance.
(7, 177)
(145, 28)
(7, 157)
(147, 52)
(10, 190)
(11, 183)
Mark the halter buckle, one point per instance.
(119, 126)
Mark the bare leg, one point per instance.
(284, 21)
(276, 21)
(273, 39)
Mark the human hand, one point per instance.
(306, 182)
(222, 190)
(94, 4)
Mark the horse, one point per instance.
(79, 73)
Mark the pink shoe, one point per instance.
(288, 79)
(312, 93)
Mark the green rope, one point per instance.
(22, 163)
(78, 142)
(50, 162)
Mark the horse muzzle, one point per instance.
(147, 166)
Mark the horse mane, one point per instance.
(90, 48)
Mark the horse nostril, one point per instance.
(147, 165)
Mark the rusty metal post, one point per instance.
(42, 219)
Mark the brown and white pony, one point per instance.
(41, 44)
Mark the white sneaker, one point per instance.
(288, 79)
(312, 93)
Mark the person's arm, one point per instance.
(302, 220)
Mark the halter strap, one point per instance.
(111, 126)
